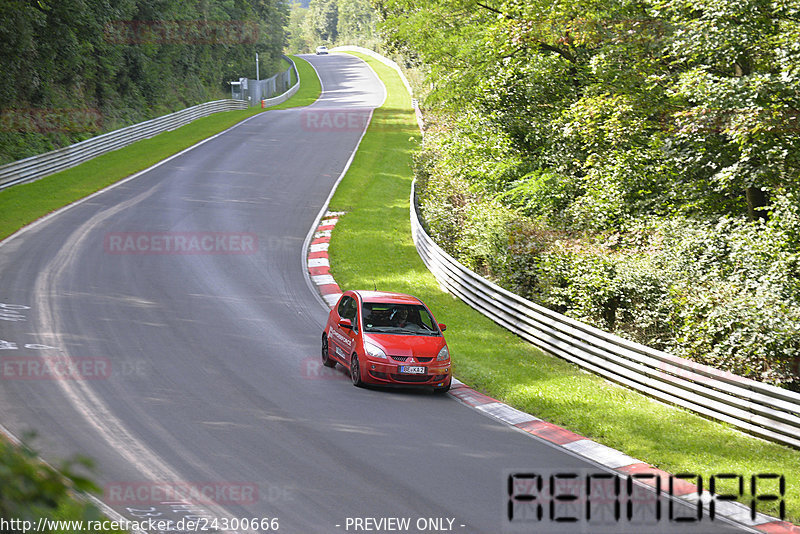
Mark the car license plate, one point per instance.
(412, 369)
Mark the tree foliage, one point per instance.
(332, 22)
(634, 164)
(31, 490)
(323, 19)
(356, 22)
(121, 62)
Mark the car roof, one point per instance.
(387, 297)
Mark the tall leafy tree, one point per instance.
(356, 21)
(128, 59)
(594, 119)
(702, 93)
(298, 40)
(323, 20)
(739, 92)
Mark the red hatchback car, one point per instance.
(387, 339)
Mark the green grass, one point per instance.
(372, 245)
(310, 86)
(24, 203)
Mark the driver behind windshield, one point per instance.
(399, 317)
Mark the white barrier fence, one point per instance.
(39, 166)
(258, 90)
(764, 410)
(275, 100)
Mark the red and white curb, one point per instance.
(614, 459)
(318, 262)
(319, 271)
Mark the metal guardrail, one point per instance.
(274, 101)
(260, 92)
(39, 166)
(761, 409)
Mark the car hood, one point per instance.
(400, 345)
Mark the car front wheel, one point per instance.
(355, 371)
(327, 361)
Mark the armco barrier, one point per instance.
(758, 408)
(35, 167)
(39, 166)
(274, 101)
(258, 88)
(764, 410)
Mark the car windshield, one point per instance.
(405, 319)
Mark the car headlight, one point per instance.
(374, 351)
(444, 354)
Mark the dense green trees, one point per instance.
(356, 21)
(105, 64)
(634, 164)
(31, 490)
(323, 19)
(331, 22)
(297, 40)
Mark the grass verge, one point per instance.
(24, 203)
(372, 246)
(310, 86)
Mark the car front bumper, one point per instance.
(435, 375)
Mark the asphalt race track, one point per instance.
(199, 368)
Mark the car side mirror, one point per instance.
(442, 327)
(346, 323)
